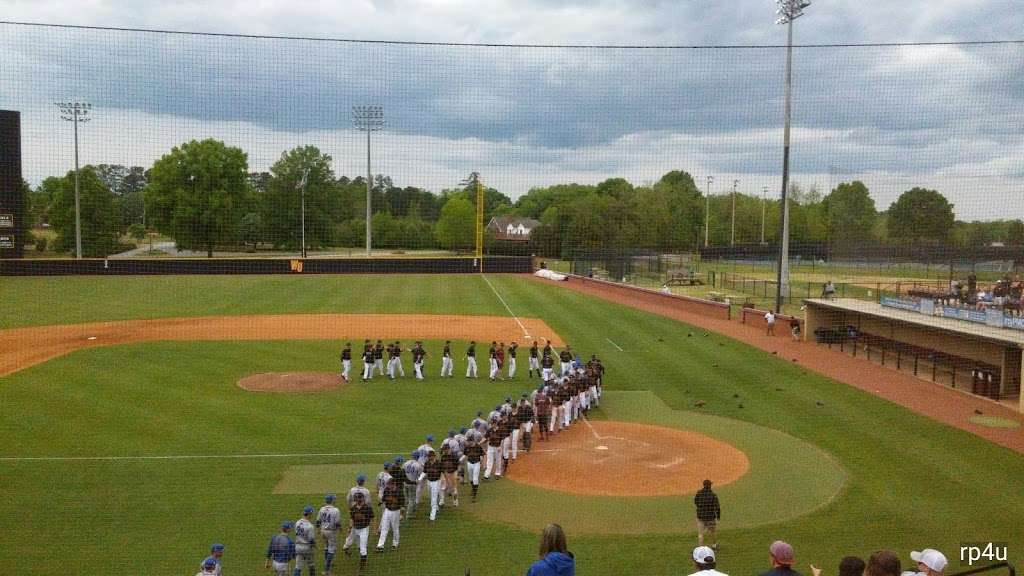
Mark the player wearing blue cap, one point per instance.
(216, 552)
(413, 469)
(208, 567)
(305, 543)
(426, 448)
(281, 551)
(329, 521)
(381, 481)
(353, 494)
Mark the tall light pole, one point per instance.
(76, 112)
(707, 210)
(368, 119)
(789, 10)
(302, 187)
(764, 197)
(732, 240)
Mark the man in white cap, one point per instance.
(704, 560)
(929, 562)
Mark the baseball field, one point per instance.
(133, 451)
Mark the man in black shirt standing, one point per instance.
(346, 361)
(708, 514)
(471, 359)
(534, 360)
(446, 360)
(512, 359)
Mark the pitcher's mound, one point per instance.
(291, 382)
(607, 458)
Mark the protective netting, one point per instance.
(649, 176)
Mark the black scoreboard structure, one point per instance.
(12, 199)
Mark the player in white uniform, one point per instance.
(381, 481)
(426, 448)
(512, 359)
(329, 520)
(208, 567)
(350, 499)
(413, 468)
(216, 552)
(305, 543)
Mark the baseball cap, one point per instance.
(462, 430)
(286, 526)
(218, 547)
(703, 555)
(330, 498)
(387, 463)
(479, 413)
(430, 437)
(931, 558)
(360, 478)
(451, 433)
(399, 459)
(415, 454)
(508, 398)
(307, 510)
(210, 562)
(782, 552)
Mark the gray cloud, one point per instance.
(934, 113)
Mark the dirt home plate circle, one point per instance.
(607, 458)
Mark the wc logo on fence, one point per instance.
(974, 552)
(296, 265)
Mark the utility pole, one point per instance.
(707, 210)
(789, 10)
(302, 187)
(732, 239)
(764, 196)
(368, 119)
(76, 112)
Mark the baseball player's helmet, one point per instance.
(287, 526)
(330, 498)
(307, 510)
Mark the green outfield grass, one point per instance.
(909, 482)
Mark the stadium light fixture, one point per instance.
(76, 112)
(788, 11)
(368, 119)
(707, 210)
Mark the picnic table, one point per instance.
(685, 279)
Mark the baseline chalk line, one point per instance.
(614, 344)
(526, 333)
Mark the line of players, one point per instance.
(490, 443)
(540, 362)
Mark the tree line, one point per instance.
(203, 196)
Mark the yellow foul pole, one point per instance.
(480, 223)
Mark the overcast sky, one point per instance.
(946, 117)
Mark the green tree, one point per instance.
(282, 203)
(137, 232)
(921, 216)
(456, 227)
(1015, 233)
(251, 229)
(198, 193)
(850, 213)
(100, 220)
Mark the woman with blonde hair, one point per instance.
(555, 557)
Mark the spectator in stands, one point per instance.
(704, 560)
(708, 514)
(848, 566)
(929, 562)
(665, 289)
(782, 560)
(883, 563)
(555, 557)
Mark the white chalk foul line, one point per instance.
(591, 426)
(186, 456)
(613, 344)
(526, 333)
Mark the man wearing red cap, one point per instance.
(782, 560)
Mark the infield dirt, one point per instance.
(21, 348)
